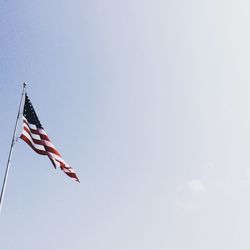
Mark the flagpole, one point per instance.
(11, 149)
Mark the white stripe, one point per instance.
(34, 136)
(37, 146)
(66, 168)
(69, 170)
(37, 137)
(41, 131)
(33, 126)
(49, 144)
(56, 157)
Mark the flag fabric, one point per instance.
(35, 136)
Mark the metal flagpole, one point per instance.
(11, 149)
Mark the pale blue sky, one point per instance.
(149, 103)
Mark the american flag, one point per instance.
(35, 136)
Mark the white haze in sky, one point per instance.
(149, 103)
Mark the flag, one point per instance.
(35, 136)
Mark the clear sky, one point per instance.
(149, 102)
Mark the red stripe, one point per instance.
(36, 131)
(52, 150)
(33, 131)
(39, 142)
(62, 165)
(63, 168)
(27, 140)
(48, 149)
(72, 175)
(44, 137)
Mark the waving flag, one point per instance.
(35, 136)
